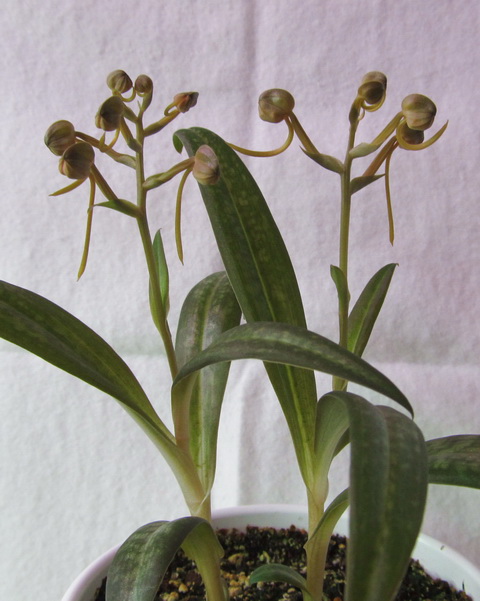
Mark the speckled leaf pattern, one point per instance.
(209, 309)
(364, 314)
(387, 494)
(139, 565)
(45, 329)
(262, 276)
(282, 343)
(454, 460)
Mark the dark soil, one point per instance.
(246, 551)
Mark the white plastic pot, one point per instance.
(438, 559)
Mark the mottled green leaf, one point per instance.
(455, 460)
(261, 274)
(140, 563)
(282, 343)
(364, 314)
(209, 309)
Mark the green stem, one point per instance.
(346, 201)
(142, 221)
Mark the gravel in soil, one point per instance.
(245, 551)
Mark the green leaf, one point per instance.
(365, 312)
(163, 276)
(455, 460)
(358, 183)
(276, 572)
(48, 331)
(140, 563)
(319, 540)
(262, 276)
(388, 486)
(326, 161)
(283, 343)
(209, 309)
(45, 329)
(341, 285)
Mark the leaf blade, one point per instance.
(454, 460)
(283, 343)
(364, 314)
(261, 273)
(209, 309)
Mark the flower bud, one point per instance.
(373, 87)
(119, 81)
(419, 111)
(110, 114)
(59, 136)
(274, 105)
(408, 135)
(143, 85)
(77, 161)
(185, 101)
(206, 169)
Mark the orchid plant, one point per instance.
(391, 464)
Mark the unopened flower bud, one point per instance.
(185, 101)
(419, 111)
(77, 161)
(373, 87)
(206, 169)
(143, 85)
(59, 136)
(110, 114)
(119, 81)
(410, 136)
(274, 105)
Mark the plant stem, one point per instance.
(160, 318)
(346, 200)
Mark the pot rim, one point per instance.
(449, 564)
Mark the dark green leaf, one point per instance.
(261, 274)
(209, 309)
(388, 486)
(139, 565)
(454, 460)
(282, 343)
(326, 161)
(48, 331)
(365, 312)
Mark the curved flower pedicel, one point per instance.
(405, 130)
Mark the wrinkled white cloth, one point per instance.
(76, 475)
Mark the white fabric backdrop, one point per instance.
(76, 475)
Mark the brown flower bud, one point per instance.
(119, 81)
(143, 85)
(419, 111)
(110, 113)
(206, 169)
(408, 135)
(185, 101)
(274, 105)
(77, 161)
(373, 87)
(59, 136)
